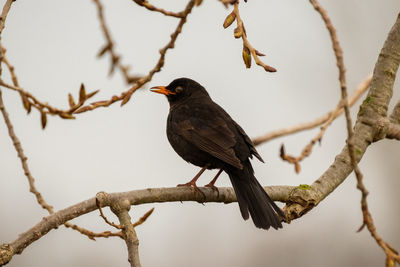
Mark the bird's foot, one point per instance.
(193, 185)
(213, 187)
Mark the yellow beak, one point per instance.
(161, 90)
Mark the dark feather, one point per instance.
(204, 134)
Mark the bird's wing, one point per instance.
(248, 142)
(212, 136)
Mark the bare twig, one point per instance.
(75, 108)
(146, 4)
(92, 235)
(10, 67)
(31, 180)
(98, 204)
(240, 32)
(136, 197)
(330, 117)
(23, 158)
(389, 49)
(4, 13)
(361, 89)
(109, 47)
(18, 147)
(125, 96)
(29, 101)
(121, 208)
(143, 218)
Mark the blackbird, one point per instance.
(204, 134)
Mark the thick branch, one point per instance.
(371, 125)
(394, 126)
(136, 197)
(393, 131)
(31, 179)
(375, 107)
(121, 208)
(395, 116)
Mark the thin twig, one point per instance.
(330, 117)
(23, 158)
(10, 67)
(44, 108)
(109, 47)
(105, 218)
(146, 4)
(31, 180)
(361, 89)
(240, 32)
(125, 96)
(18, 147)
(143, 218)
(4, 13)
(92, 235)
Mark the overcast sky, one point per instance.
(53, 46)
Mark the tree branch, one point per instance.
(372, 125)
(240, 32)
(375, 108)
(395, 116)
(121, 208)
(136, 197)
(125, 96)
(109, 47)
(361, 89)
(75, 108)
(393, 131)
(4, 13)
(31, 180)
(394, 125)
(23, 158)
(307, 150)
(147, 5)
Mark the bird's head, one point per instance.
(181, 89)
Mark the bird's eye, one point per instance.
(178, 89)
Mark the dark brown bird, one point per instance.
(204, 134)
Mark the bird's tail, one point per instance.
(252, 198)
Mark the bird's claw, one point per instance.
(213, 187)
(195, 187)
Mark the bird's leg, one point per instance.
(192, 182)
(211, 184)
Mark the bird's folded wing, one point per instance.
(248, 142)
(213, 137)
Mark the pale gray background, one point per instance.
(53, 46)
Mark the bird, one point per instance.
(203, 134)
